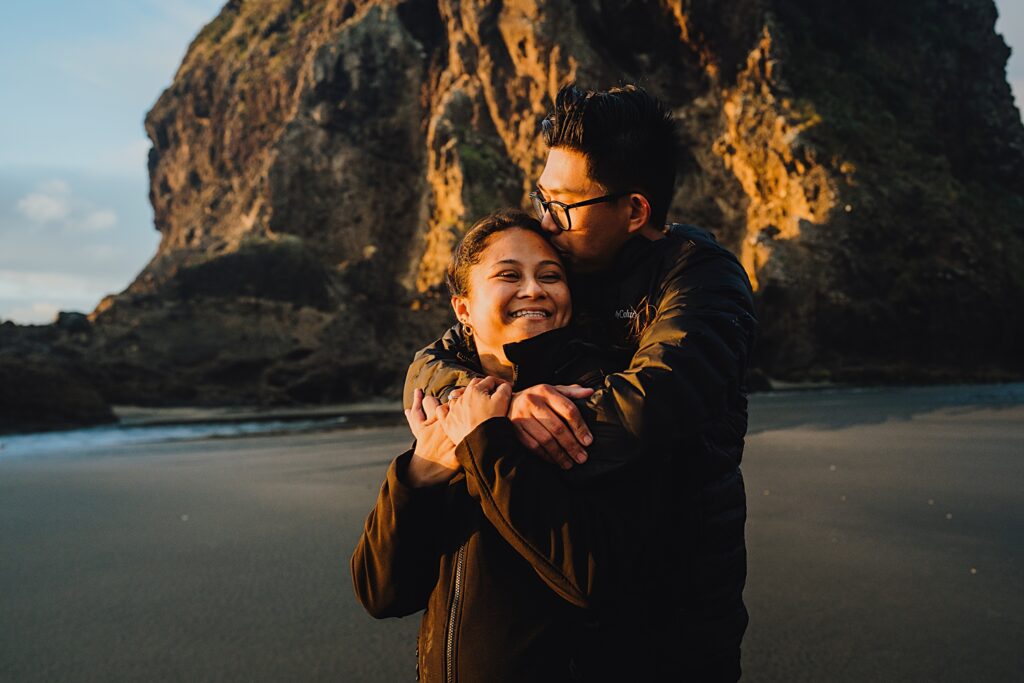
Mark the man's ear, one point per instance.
(461, 308)
(639, 212)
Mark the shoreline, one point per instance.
(143, 416)
(343, 416)
(140, 427)
(378, 412)
(383, 411)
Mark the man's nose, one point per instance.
(548, 223)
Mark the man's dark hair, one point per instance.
(628, 137)
(469, 249)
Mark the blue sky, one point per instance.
(78, 78)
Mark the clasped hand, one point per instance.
(438, 428)
(547, 422)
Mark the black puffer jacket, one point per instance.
(680, 310)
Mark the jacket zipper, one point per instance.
(449, 648)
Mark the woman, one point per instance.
(507, 557)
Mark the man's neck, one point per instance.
(651, 233)
(647, 232)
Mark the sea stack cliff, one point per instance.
(313, 163)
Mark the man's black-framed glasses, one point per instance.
(560, 210)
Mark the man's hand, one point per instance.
(433, 461)
(474, 405)
(548, 423)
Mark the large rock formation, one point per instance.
(314, 161)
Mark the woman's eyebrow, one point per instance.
(512, 261)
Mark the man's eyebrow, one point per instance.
(557, 190)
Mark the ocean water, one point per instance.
(837, 406)
(92, 438)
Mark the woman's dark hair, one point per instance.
(471, 246)
(628, 137)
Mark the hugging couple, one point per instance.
(572, 508)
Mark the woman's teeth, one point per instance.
(530, 314)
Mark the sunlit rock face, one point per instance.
(314, 162)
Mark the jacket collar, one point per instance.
(537, 358)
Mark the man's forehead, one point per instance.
(565, 172)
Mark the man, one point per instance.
(678, 309)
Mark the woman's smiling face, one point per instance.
(516, 290)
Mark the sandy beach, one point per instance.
(885, 538)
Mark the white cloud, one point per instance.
(53, 202)
(1017, 86)
(61, 263)
(44, 207)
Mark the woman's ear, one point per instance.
(461, 308)
(639, 212)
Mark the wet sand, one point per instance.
(885, 536)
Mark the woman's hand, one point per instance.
(433, 461)
(478, 402)
(548, 423)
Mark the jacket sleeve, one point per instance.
(395, 564)
(689, 366)
(577, 539)
(438, 368)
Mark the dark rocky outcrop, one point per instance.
(314, 162)
(44, 383)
